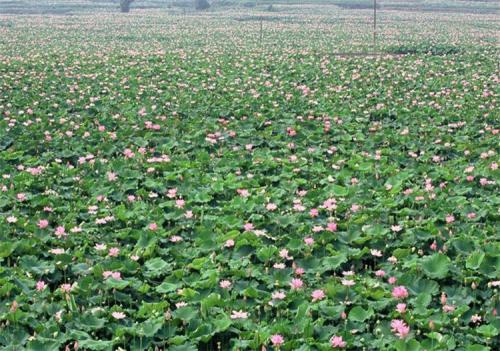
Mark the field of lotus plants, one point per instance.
(189, 181)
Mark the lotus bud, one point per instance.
(167, 315)
(14, 306)
(443, 298)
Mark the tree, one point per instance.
(125, 5)
(201, 4)
(198, 5)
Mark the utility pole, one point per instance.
(374, 23)
(261, 25)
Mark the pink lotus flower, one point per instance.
(113, 252)
(179, 203)
(40, 285)
(172, 193)
(225, 284)
(396, 228)
(401, 307)
(243, 192)
(118, 315)
(284, 254)
(296, 283)
(475, 318)
(239, 315)
(114, 275)
(337, 342)
(43, 223)
(112, 176)
(309, 241)
(100, 247)
(448, 308)
(58, 315)
(347, 282)
(65, 288)
(278, 295)
(331, 227)
(188, 214)
(400, 328)
(329, 204)
(314, 212)
(60, 232)
(101, 198)
(299, 207)
(229, 243)
(248, 227)
(153, 226)
(317, 228)
(450, 219)
(271, 207)
(399, 292)
(277, 340)
(175, 238)
(128, 153)
(299, 271)
(318, 295)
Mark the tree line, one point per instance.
(198, 5)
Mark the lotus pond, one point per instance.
(185, 182)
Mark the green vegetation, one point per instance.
(249, 178)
